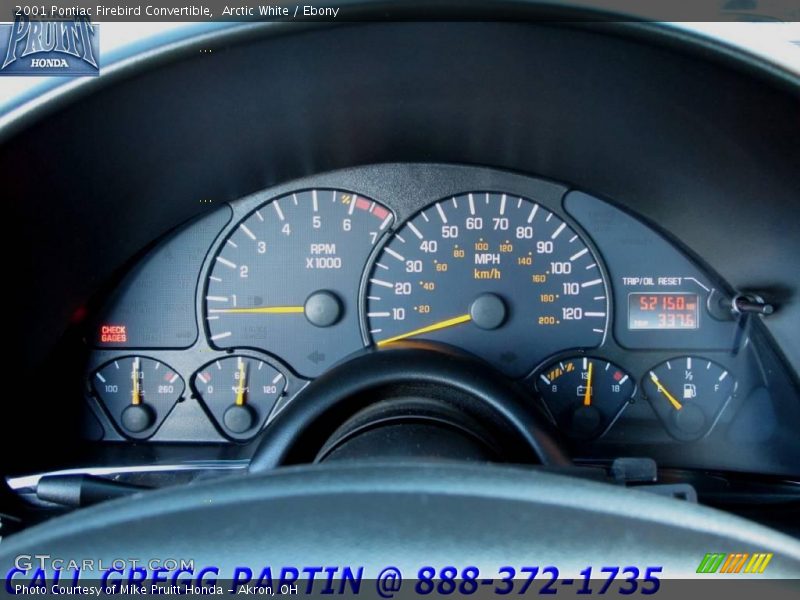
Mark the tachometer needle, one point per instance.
(662, 390)
(264, 310)
(136, 394)
(427, 329)
(587, 395)
(242, 382)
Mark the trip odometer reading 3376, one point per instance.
(497, 275)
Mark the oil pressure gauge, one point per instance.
(688, 394)
(239, 392)
(584, 394)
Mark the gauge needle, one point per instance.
(240, 389)
(136, 395)
(587, 395)
(662, 390)
(427, 329)
(263, 310)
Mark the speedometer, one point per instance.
(494, 274)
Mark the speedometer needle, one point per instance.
(427, 329)
(273, 310)
(662, 390)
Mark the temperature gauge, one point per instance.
(688, 393)
(585, 395)
(138, 392)
(239, 393)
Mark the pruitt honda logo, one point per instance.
(733, 563)
(67, 48)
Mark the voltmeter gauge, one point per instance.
(584, 394)
(239, 393)
(688, 394)
(138, 392)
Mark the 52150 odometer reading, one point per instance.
(494, 274)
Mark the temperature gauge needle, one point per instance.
(263, 310)
(587, 395)
(662, 390)
(242, 382)
(427, 329)
(136, 394)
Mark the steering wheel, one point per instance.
(394, 459)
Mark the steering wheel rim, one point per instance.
(407, 516)
(303, 426)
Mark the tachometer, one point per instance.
(497, 275)
(286, 279)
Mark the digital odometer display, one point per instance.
(663, 311)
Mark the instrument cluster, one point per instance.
(629, 343)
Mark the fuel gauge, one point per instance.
(138, 392)
(239, 393)
(584, 394)
(688, 394)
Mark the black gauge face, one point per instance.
(239, 393)
(688, 393)
(584, 394)
(497, 275)
(286, 279)
(138, 393)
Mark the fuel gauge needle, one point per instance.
(136, 394)
(587, 395)
(427, 329)
(662, 390)
(242, 382)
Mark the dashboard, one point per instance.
(604, 215)
(630, 345)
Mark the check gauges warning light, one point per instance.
(113, 334)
